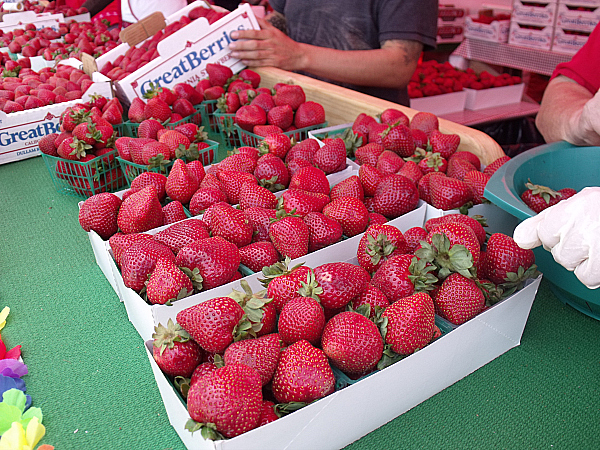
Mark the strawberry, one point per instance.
(378, 244)
(288, 94)
(471, 157)
(423, 186)
(157, 108)
(264, 100)
(282, 282)
(277, 144)
(186, 92)
(301, 318)
(289, 235)
(257, 255)
(148, 129)
(444, 144)
(370, 177)
(253, 195)
(250, 76)
(477, 181)
(229, 103)
(267, 413)
(281, 116)
(433, 163)
(503, 257)
(139, 260)
(350, 212)
(305, 149)
(213, 92)
(424, 121)
(538, 197)
(173, 350)
(215, 258)
(449, 193)
(388, 162)
(181, 184)
(310, 179)
(260, 219)
(303, 374)
(218, 74)
(167, 283)
(238, 161)
(156, 180)
(113, 114)
(471, 222)
(353, 343)
(232, 182)
(212, 323)
(413, 238)
(373, 297)
(410, 323)
(261, 354)
(323, 231)
(140, 212)
(204, 197)
(300, 203)
(398, 139)
(119, 242)
(225, 402)
(308, 114)
(181, 234)
(495, 165)
(331, 157)
(155, 154)
(46, 144)
(99, 213)
(249, 116)
(231, 224)
(395, 195)
(136, 110)
(459, 299)
(349, 187)
(368, 153)
(391, 116)
(411, 171)
(272, 174)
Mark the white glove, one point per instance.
(571, 231)
(588, 131)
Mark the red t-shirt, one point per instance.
(584, 67)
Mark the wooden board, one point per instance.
(344, 105)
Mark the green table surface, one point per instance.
(89, 373)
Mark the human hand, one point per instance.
(589, 121)
(571, 231)
(267, 47)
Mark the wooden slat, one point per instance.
(344, 105)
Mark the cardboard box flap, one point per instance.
(177, 42)
(143, 29)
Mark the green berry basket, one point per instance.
(84, 179)
(131, 170)
(253, 140)
(551, 165)
(207, 109)
(131, 128)
(228, 134)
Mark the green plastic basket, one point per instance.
(254, 140)
(131, 170)
(207, 109)
(554, 165)
(131, 128)
(84, 179)
(228, 134)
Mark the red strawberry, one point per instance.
(182, 234)
(331, 157)
(433, 163)
(229, 402)
(249, 116)
(423, 186)
(352, 343)
(300, 203)
(229, 103)
(47, 146)
(362, 124)
(232, 182)
(149, 129)
(395, 195)
(370, 178)
(155, 154)
(340, 283)
(277, 144)
(181, 184)
(471, 157)
(173, 350)
(272, 174)
(253, 195)
(398, 139)
(139, 260)
(491, 168)
(411, 171)
(373, 297)
(231, 224)
(156, 180)
(458, 168)
(261, 354)
(449, 193)
(349, 187)
(378, 244)
(257, 255)
(215, 258)
(288, 94)
(389, 162)
(290, 236)
(136, 110)
(157, 108)
(301, 318)
(413, 238)
(112, 114)
(283, 283)
(368, 153)
(240, 162)
(310, 179)
(394, 277)
(167, 283)
(251, 76)
(281, 116)
(350, 212)
(264, 100)
(119, 242)
(444, 144)
(504, 256)
(476, 181)
(183, 107)
(213, 92)
(140, 212)
(267, 413)
(424, 121)
(99, 213)
(459, 299)
(308, 114)
(303, 374)
(260, 219)
(305, 149)
(218, 74)
(323, 231)
(410, 324)
(204, 197)
(392, 115)
(187, 92)
(539, 197)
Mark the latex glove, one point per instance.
(588, 131)
(571, 231)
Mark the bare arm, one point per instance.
(569, 112)
(391, 66)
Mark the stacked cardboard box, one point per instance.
(450, 24)
(575, 20)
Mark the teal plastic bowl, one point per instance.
(558, 165)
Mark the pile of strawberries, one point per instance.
(27, 89)
(418, 152)
(52, 8)
(434, 78)
(87, 136)
(242, 360)
(71, 40)
(538, 197)
(139, 56)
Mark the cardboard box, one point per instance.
(580, 2)
(185, 54)
(491, 97)
(21, 131)
(450, 14)
(440, 104)
(450, 33)
(497, 31)
(539, 13)
(571, 17)
(530, 36)
(565, 41)
(19, 20)
(350, 413)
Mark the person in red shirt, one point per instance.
(570, 107)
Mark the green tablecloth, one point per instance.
(90, 374)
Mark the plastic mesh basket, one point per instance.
(131, 128)
(228, 134)
(84, 179)
(208, 108)
(253, 140)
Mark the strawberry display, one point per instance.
(539, 197)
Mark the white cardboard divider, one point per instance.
(349, 414)
(19, 20)
(21, 131)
